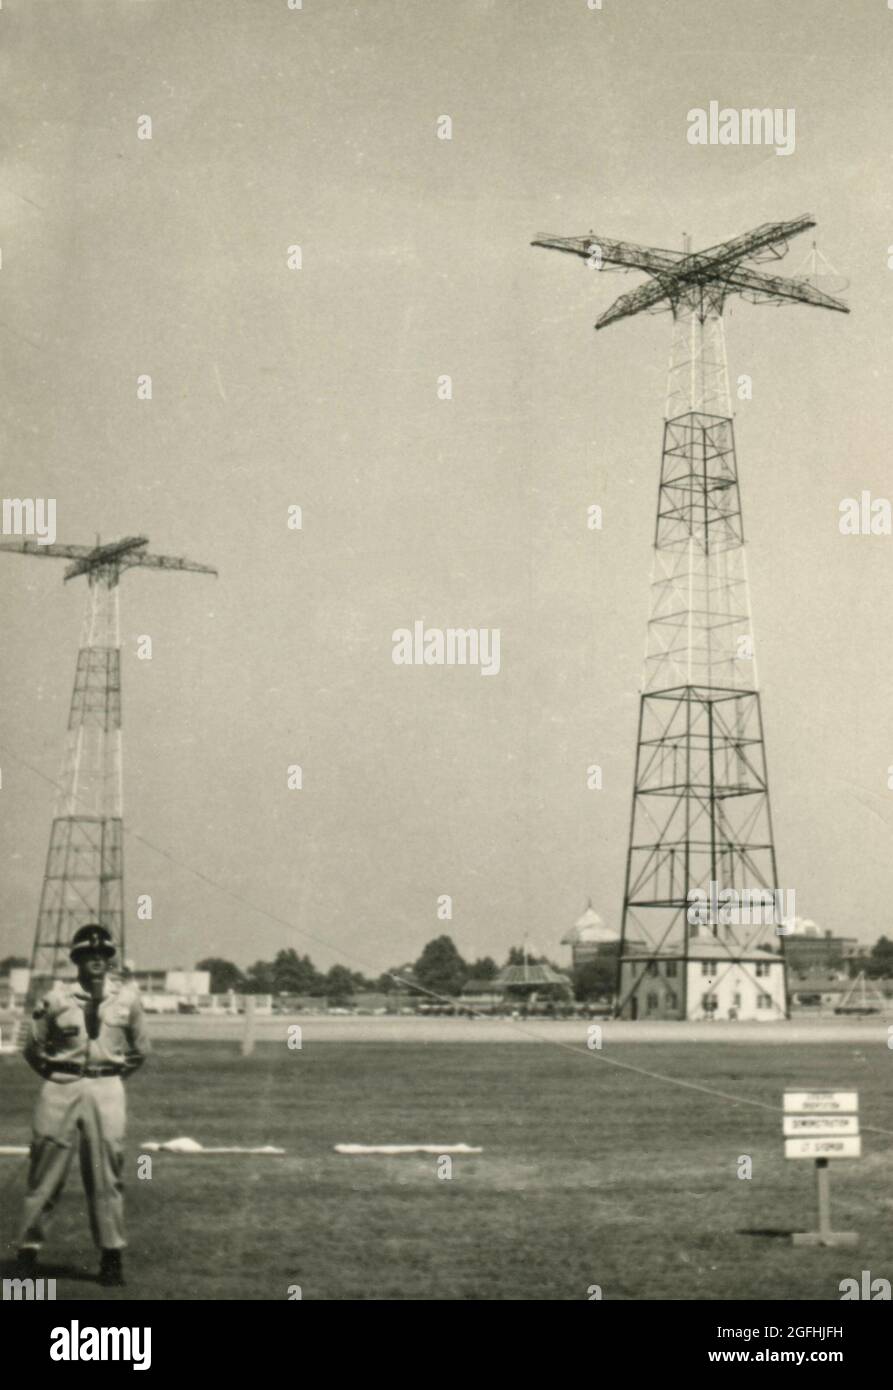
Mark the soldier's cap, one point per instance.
(93, 937)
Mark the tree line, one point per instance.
(440, 969)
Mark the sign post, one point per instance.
(822, 1125)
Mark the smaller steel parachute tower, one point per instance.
(84, 876)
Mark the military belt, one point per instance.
(91, 1070)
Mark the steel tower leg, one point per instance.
(700, 813)
(84, 876)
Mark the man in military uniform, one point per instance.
(84, 1037)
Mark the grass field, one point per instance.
(589, 1174)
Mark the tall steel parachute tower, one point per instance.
(701, 933)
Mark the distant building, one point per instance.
(717, 981)
(531, 979)
(149, 981)
(818, 991)
(14, 987)
(589, 937)
(808, 949)
(186, 982)
(482, 994)
(167, 991)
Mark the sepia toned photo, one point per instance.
(446, 767)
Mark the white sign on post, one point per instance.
(821, 1102)
(822, 1125)
(819, 1126)
(848, 1146)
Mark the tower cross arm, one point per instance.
(165, 562)
(602, 250)
(645, 297)
(52, 551)
(770, 236)
(699, 280)
(781, 287)
(108, 559)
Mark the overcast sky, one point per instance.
(271, 387)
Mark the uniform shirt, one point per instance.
(58, 1030)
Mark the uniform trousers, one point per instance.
(88, 1114)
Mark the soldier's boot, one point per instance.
(111, 1272)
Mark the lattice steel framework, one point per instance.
(84, 875)
(701, 814)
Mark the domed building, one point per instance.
(588, 937)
